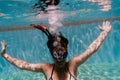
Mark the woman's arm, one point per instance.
(20, 63)
(93, 47)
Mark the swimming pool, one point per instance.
(28, 44)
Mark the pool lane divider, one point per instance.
(66, 24)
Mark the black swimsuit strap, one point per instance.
(71, 75)
(52, 73)
(68, 71)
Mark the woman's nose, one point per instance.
(59, 59)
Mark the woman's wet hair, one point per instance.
(54, 40)
(53, 2)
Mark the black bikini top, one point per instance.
(72, 77)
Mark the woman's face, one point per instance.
(60, 62)
(59, 54)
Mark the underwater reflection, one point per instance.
(105, 5)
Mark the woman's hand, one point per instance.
(105, 26)
(3, 44)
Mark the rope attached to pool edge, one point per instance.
(64, 23)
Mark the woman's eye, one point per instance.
(55, 55)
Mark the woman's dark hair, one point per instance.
(52, 39)
(53, 2)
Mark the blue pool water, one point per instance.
(30, 45)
